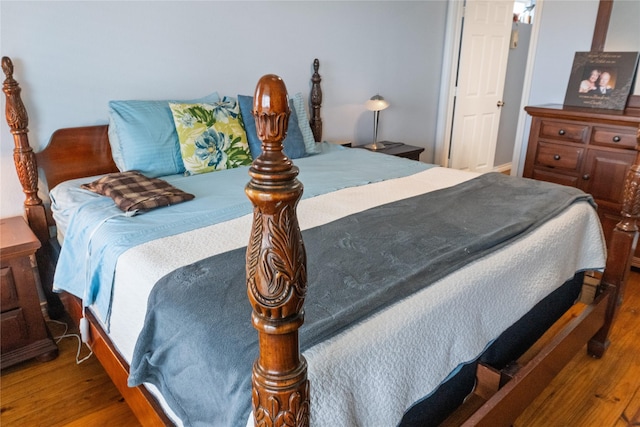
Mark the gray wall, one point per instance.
(558, 42)
(72, 57)
(513, 85)
(623, 34)
(559, 38)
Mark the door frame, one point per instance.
(455, 11)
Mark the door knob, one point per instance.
(500, 104)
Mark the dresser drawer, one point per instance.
(8, 291)
(559, 156)
(564, 131)
(620, 137)
(14, 329)
(557, 178)
(609, 140)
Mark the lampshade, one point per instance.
(376, 103)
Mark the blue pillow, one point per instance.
(294, 147)
(303, 122)
(143, 136)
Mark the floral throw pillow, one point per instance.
(212, 136)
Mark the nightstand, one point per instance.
(398, 149)
(343, 143)
(24, 331)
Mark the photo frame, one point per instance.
(601, 79)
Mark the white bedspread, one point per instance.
(450, 322)
(99, 232)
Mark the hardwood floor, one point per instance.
(587, 393)
(61, 392)
(597, 392)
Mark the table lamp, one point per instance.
(376, 104)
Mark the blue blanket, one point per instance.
(99, 232)
(198, 344)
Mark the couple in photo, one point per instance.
(597, 83)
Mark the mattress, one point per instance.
(458, 316)
(97, 232)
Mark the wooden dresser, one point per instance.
(24, 332)
(585, 148)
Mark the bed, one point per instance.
(423, 345)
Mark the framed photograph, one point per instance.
(601, 79)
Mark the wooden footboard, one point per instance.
(276, 270)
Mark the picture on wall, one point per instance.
(601, 79)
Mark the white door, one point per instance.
(484, 50)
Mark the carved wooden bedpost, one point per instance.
(23, 155)
(316, 102)
(621, 249)
(27, 168)
(276, 268)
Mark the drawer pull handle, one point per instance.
(586, 177)
(561, 132)
(616, 138)
(556, 157)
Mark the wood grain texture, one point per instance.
(62, 393)
(65, 156)
(597, 392)
(589, 149)
(316, 102)
(276, 268)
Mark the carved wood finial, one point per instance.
(17, 119)
(276, 268)
(7, 68)
(631, 200)
(316, 102)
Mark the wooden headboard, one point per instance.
(66, 156)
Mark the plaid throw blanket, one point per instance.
(132, 191)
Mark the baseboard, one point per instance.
(504, 168)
